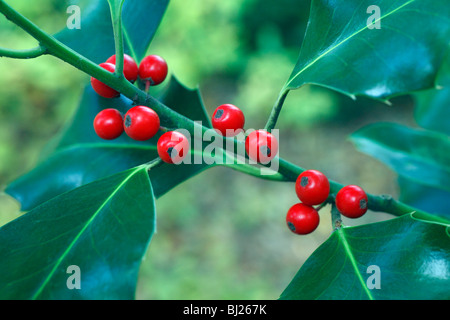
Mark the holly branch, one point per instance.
(287, 171)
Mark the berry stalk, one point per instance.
(336, 220)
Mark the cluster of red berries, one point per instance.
(140, 123)
(312, 188)
(151, 71)
(260, 145)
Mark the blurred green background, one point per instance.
(222, 234)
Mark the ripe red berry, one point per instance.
(108, 124)
(302, 219)
(153, 70)
(141, 123)
(261, 146)
(228, 120)
(172, 147)
(130, 67)
(312, 187)
(351, 201)
(101, 88)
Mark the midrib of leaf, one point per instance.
(286, 86)
(65, 253)
(348, 251)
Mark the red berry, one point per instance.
(141, 123)
(130, 68)
(312, 187)
(101, 88)
(261, 146)
(153, 69)
(172, 147)
(228, 119)
(108, 124)
(351, 201)
(302, 219)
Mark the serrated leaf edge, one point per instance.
(293, 77)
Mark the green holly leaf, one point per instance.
(398, 259)
(103, 228)
(443, 77)
(432, 111)
(345, 50)
(81, 157)
(420, 155)
(95, 38)
(429, 199)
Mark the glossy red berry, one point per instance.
(302, 219)
(172, 147)
(153, 70)
(108, 124)
(312, 187)
(141, 123)
(130, 67)
(352, 201)
(228, 120)
(261, 146)
(101, 88)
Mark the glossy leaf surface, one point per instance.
(420, 155)
(373, 48)
(399, 259)
(95, 39)
(103, 228)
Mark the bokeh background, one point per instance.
(222, 234)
